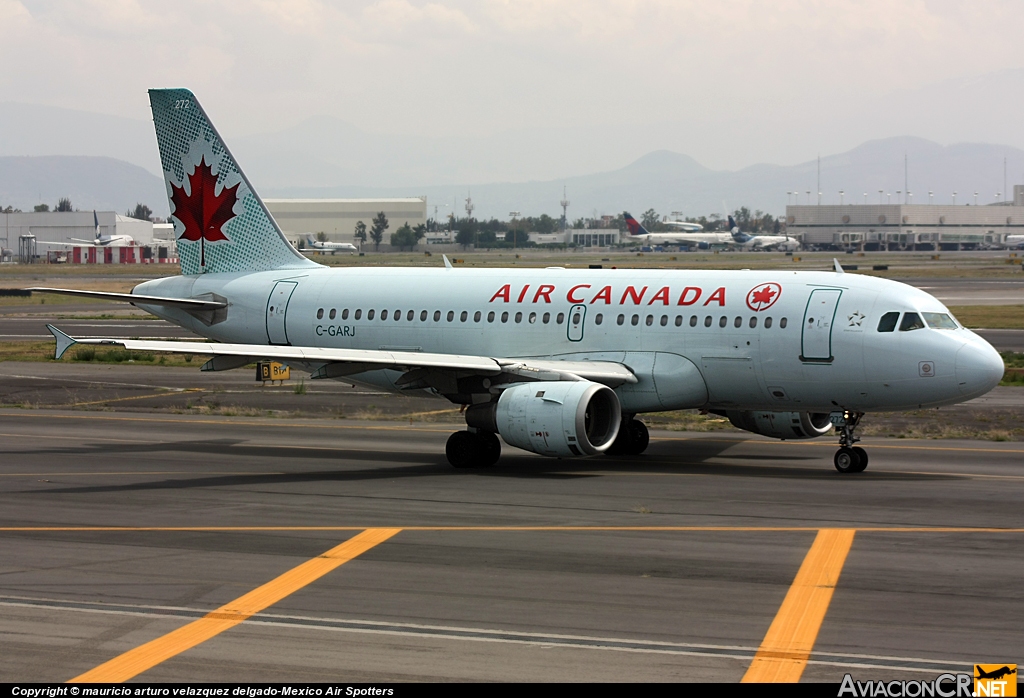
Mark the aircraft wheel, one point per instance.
(847, 460)
(492, 447)
(863, 455)
(464, 449)
(639, 437)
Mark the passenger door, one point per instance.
(819, 317)
(577, 314)
(277, 309)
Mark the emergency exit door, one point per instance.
(277, 309)
(816, 337)
(576, 316)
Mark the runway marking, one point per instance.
(509, 529)
(783, 654)
(135, 661)
(822, 444)
(138, 397)
(446, 632)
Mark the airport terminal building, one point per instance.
(337, 218)
(907, 226)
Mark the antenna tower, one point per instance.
(564, 203)
(469, 205)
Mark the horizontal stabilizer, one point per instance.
(64, 341)
(136, 299)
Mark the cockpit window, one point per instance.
(888, 322)
(939, 321)
(911, 321)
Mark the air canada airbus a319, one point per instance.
(557, 362)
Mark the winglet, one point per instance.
(64, 341)
(447, 262)
(838, 266)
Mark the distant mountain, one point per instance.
(667, 182)
(90, 182)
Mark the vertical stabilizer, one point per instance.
(220, 222)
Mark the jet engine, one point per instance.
(782, 425)
(553, 418)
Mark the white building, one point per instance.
(61, 227)
(581, 237)
(337, 218)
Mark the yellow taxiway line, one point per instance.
(787, 645)
(135, 661)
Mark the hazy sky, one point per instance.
(730, 82)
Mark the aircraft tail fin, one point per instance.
(635, 228)
(220, 221)
(732, 224)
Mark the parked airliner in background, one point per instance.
(98, 241)
(327, 246)
(556, 361)
(639, 234)
(749, 241)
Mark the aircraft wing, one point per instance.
(136, 299)
(340, 362)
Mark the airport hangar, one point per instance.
(907, 226)
(337, 218)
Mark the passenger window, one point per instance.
(490, 316)
(738, 322)
(451, 315)
(398, 315)
(533, 318)
(767, 323)
(782, 323)
(559, 318)
(621, 319)
(888, 322)
(598, 319)
(546, 319)
(576, 318)
(344, 314)
(693, 321)
(939, 321)
(650, 320)
(476, 316)
(664, 320)
(359, 313)
(320, 314)
(519, 317)
(437, 316)
(679, 320)
(635, 320)
(753, 322)
(463, 316)
(707, 321)
(410, 315)
(333, 314)
(723, 321)
(369, 314)
(423, 316)
(911, 321)
(383, 315)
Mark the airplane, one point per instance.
(99, 240)
(703, 240)
(333, 247)
(761, 242)
(1014, 241)
(557, 361)
(995, 673)
(684, 226)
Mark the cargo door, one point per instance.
(816, 333)
(277, 309)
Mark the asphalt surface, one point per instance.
(583, 595)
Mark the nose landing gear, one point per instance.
(850, 458)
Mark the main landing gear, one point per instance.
(473, 449)
(850, 458)
(632, 439)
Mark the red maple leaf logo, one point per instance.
(203, 212)
(763, 297)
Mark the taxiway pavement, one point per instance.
(670, 566)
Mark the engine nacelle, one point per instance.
(553, 418)
(782, 425)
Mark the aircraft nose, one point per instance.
(979, 368)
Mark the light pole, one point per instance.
(808, 197)
(898, 197)
(513, 215)
(841, 197)
(954, 198)
(865, 198)
(880, 192)
(975, 198)
(931, 197)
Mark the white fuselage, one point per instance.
(713, 339)
(682, 238)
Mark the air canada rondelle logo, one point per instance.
(763, 297)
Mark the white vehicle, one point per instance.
(1014, 241)
(99, 240)
(556, 361)
(327, 246)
